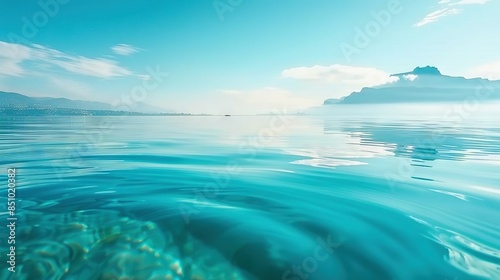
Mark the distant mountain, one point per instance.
(423, 84)
(10, 100)
(332, 101)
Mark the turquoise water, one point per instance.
(294, 197)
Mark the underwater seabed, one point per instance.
(102, 244)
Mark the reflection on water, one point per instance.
(238, 198)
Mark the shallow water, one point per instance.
(267, 197)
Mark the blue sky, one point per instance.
(237, 55)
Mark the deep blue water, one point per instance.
(253, 197)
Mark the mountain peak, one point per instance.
(427, 70)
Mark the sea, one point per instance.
(377, 192)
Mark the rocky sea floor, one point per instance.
(101, 244)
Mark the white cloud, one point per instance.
(124, 49)
(436, 15)
(447, 9)
(410, 77)
(103, 68)
(341, 74)
(489, 71)
(13, 55)
(469, 2)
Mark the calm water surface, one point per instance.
(253, 197)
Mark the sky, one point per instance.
(237, 56)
